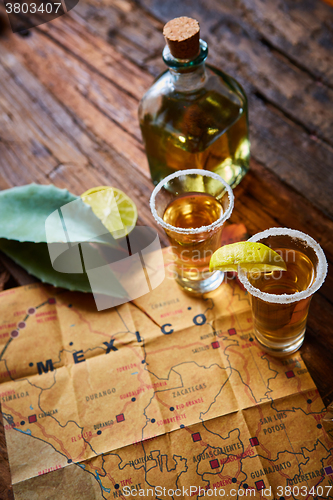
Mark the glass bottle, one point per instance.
(194, 115)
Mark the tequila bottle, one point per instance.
(194, 115)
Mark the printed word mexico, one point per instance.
(78, 357)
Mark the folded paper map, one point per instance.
(169, 394)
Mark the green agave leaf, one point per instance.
(24, 210)
(34, 257)
(27, 211)
(38, 221)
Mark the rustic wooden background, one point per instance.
(68, 115)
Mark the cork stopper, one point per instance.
(182, 35)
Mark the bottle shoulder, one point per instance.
(216, 82)
(229, 83)
(160, 87)
(210, 109)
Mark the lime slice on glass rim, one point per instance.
(114, 208)
(249, 256)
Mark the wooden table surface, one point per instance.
(68, 115)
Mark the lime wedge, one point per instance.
(252, 257)
(114, 208)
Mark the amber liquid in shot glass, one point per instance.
(193, 210)
(281, 299)
(192, 207)
(279, 322)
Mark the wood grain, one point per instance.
(68, 116)
(286, 70)
(6, 492)
(4, 276)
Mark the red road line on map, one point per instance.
(126, 405)
(266, 450)
(239, 467)
(313, 398)
(164, 404)
(259, 429)
(143, 384)
(41, 428)
(113, 481)
(56, 439)
(82, 452)
(100, 471)
(299, 385)
(246, 389)
(283, 473)
(85, 321)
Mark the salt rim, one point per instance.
(295, 297)
(224, 216)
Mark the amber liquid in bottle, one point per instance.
(209, 133)
(195, 117)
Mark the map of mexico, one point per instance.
(122, 401)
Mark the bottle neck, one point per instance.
(190, 80)
(187, 74)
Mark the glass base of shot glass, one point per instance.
(280, 349)
(198, 287)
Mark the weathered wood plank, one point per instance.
(4, 276)
(125, 26)
(92, 167)
(6, 492)
(288, 111)
(302, 161)
(72, 35)
(317, 350)
(99, 107)
(92, 161)
(40, 145)
(42, 75)
(302, 31)
(59, 169)
(262, 201)
(81, 143)
(20, 275)
(285, 85)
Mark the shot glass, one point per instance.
(280, 299)
(192, 206)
